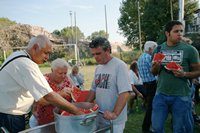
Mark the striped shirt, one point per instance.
(144, 66)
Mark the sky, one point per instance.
(54, 14)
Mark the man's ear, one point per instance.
(35, 47)
(166, 33)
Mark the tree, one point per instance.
(100, 33)
(56, 32)
(6, 22)
(154, 15)
(69, 34)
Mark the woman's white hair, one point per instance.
(41, 40)
(59, 63)
(149, 44)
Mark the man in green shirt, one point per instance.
(173, 87)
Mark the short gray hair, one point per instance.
(149, 44)
(59, 63)
(41, 40)
(75, 66)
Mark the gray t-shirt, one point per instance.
(110, 80)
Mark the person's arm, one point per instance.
(90, 97)
(119, 106)
(155, 68)
(58, 101)
(64, 92)
(195, 72)
(34, 109)
(136, 91)
(195, 82)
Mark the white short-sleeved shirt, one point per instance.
(21, 81)
(134, 79)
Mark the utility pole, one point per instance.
(181, 11)
(171, 10)
(139, 24)
(70, 13)
(75, 45)
(106, 22)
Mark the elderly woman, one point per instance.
(77, 77)
(60, 83)
(136, 84)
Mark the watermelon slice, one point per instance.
(75, 94)
(83, 96)
(85, 111)
(65, 113)
(158, 57)
(173, 66)
(94, 108)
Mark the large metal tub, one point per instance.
(47, 128)
(76, 124)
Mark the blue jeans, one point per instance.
(13, 123)
(181, 109)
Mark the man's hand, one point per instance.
(140, 95)
(179, 73)
(109, 115)
(155, 68)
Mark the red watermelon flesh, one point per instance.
(76, 93)
(94, 108)
(158, 57)
(85, 111)
(65, 113)
(173, 66)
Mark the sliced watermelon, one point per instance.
(83, 96)
(158, 57)
(94, 108)
(173, 66)
(75, 94)
(65, 113)
(85, 111)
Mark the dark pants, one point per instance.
(13, 123)
(150, 93)
(141, 89)
(196, 96)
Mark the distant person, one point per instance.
(61, 84)
(110, 87)
(174, 88)
(77, 77)
(137, 86)
(22, 82)
(149, 82)
(196, 82)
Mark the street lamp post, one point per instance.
(139, 25)
(70, 13)
(75, 45)
(106, 22)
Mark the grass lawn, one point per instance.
(134, 122)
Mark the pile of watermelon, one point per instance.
(173, 66)
(79, 95)
(76, 93)
(158, 57)
(85, 111)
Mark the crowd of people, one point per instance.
(114, 87)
